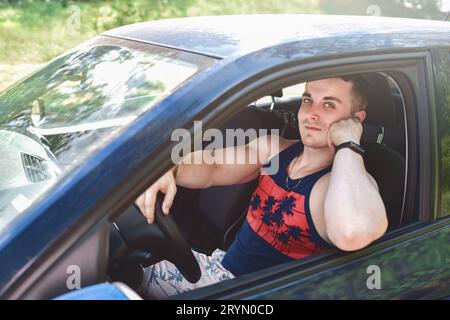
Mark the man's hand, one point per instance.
(146, 201)
(343, 131)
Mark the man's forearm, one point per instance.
(193, 172)
(224, 166)
(354, 211)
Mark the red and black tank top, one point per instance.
(278, 227)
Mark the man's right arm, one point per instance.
(227, 166)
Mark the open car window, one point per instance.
(214, 219)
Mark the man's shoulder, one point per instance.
(286, 143)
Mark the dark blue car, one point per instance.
(83, 137)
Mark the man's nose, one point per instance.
(314, 116)
(313, 112)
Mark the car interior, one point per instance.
(210, 218)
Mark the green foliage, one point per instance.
(35, 31)
(446, 174)
(443, 118)
(445, 202)
(122, 12)
(420, 9)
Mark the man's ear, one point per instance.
(361, 115)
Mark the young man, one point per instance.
(321, 196)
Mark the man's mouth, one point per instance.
(312, 128)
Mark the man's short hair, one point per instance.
(361, 89)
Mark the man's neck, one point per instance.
(313, 159)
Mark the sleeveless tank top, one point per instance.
(278, 227)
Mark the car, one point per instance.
(85, 135)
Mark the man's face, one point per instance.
(324, 102)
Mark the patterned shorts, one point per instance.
(163, 278)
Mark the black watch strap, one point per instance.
(351, 145)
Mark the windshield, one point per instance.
(53, 120)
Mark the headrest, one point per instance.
(381, 107)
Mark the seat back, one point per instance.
(206, 215)
(387, 167)
(384, 141)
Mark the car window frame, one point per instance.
(407, 70)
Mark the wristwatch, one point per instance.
(351, 145)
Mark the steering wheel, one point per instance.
(134, 242)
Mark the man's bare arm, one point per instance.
(198, 174)
(227, 166)
(354, 212)
(347, 204)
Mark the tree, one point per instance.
(421, 9)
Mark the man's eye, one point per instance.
(306, 100)
(329, 105)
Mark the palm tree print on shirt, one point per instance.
(279, 217)
(266, 218)
(293, 232)
(284, 208)
(255, 202)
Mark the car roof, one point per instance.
(231, 36)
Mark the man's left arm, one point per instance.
(354, 212)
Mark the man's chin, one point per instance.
(312, 143)
(315, 146)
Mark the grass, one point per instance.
(35, 32)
